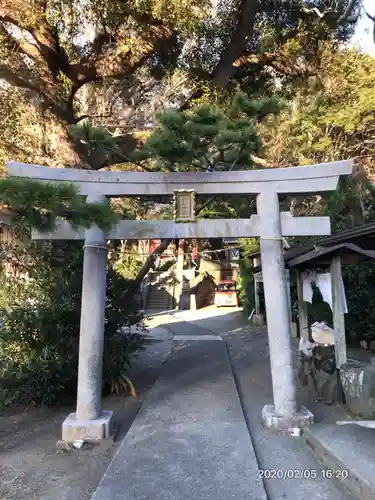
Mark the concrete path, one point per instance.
(349, 451)
(190, 439)
(249, 357)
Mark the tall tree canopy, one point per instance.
(101, 68)
(330, 117)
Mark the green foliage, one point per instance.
(40, 313)
(351, 205)
(246, 281)
(127, 265)
(331, 117)
(16, 116)
(246, 286)
(359, 283)
(118, 61)
(249, 246)
(206, 137)
(40, 205)
(93, 137)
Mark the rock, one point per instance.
(322, 334)
(358, 382)
(63, 446)
(258, 320)
(78, 444)
(363, 344)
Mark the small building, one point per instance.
(325, 257)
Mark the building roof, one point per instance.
(354, 246)
(322, 256)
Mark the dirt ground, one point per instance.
(31, 466)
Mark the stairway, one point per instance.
(161, 289)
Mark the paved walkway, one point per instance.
(191, 438)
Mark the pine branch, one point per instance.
(42, 204)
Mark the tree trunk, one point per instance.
(161, 248)
(150, 260)
(225, 70)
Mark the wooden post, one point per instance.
(338, 309)
(179, 272)
(302, 311)
(287, 278)
(258, 317)
(256, 296)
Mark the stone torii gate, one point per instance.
(90, 421)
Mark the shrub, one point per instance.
(41, 314)
(246, 286)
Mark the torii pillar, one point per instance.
(283, 414)
(90, 422)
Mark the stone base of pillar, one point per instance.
(87, 430)
(277, 422)
(258, 320)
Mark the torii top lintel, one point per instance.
(293, 180)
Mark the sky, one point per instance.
(363, 36)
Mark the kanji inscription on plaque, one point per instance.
(184, 205)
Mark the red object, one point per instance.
(153, 246)
(194, 253)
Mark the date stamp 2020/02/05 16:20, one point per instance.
(303, 474)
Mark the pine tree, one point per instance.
(206, 137)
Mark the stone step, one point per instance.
(348, 454)
(190, 439)
(160, 288)
(158, 305)
(158, 296)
